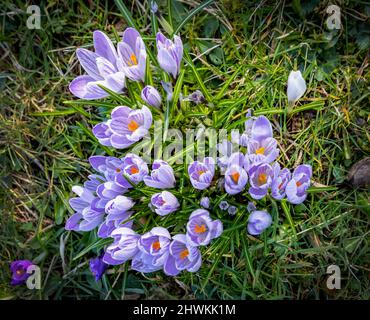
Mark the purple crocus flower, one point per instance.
(201, 229)
(97, 267)
(19, 271)
(204, 202)
(169, 54)
(89, 210)
(134, 168)
(258, 221)
(117, 211)
(235, 176)
(297, 186)
(164, 203)
(161, 177)
(156, 243)
(262, 150)
(124, 247)
(132, 55)
(151, 96)
(101, 67)
(109, 190)
(201, 173)
(232, 210)
(197, 97)
(260, 178)
(279, 182)
(182, 256)
(261, 128)
(224, 205)
(129, 125)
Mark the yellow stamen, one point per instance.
(19, 272)
(262, 178)
(260, 150)
(200, 229)
(184, 253)
(133, 125)
(200, 172)
(235, 176)
(156, 245)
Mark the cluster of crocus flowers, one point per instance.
(104, 203)
(157, 249)
(257, 166)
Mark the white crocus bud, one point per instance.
(296, 86)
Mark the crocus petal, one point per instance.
(87, 60)
(104, 47)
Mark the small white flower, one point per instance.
(296, 86)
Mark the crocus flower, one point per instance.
(223, 205)
(161, 177)
(279, 182)
(19, 271)
(167, 87)
(164, 203)
(101, 67)
(262, 150)
(182, 256)
(132, 55)
(89, 210)
(204, 202)
(297, 186)
(124, 247)
(109, 190)
(97, 267)
(201, 173)
(129, 125)
(235, 179)
(156, 243)
(232, 210)
(260, 178)
(235, 176)
(261, 128)
(169, 54)
(296, 86)
(117, 211)
(134, 168)
(258, 221)
(201, 229)
(197, 97)
(151, 96)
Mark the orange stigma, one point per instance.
(262, 178)
(134, 170)
(118, 170)
(260, 150)
(19, 272)
(235, 176)
(132, 125)
(298, 183)
(200, 229)
(200, 172)
(156, 245)
(184, 253)
(132, 61)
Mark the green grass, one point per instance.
(240, 56)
